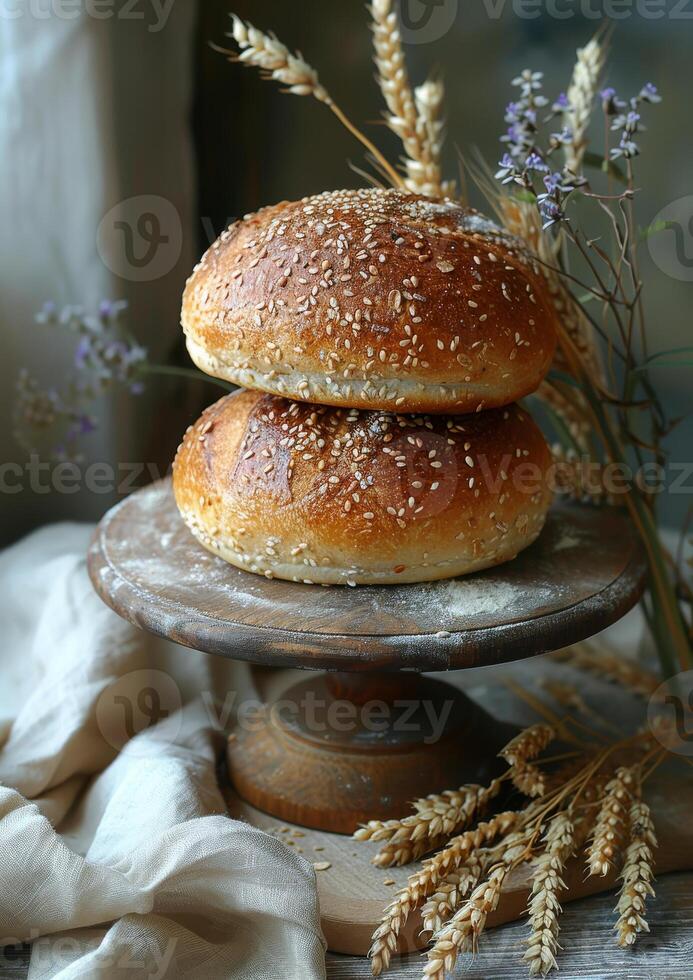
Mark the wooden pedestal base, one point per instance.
(340, 749)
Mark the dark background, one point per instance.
(255, 146)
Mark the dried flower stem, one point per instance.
(266, 52)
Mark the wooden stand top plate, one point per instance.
(584, 572)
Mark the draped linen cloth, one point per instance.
(116, 856)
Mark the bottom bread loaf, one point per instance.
(317, 494)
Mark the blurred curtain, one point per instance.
(93, 116)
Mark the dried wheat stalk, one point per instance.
(544, 907)
(414, 118)
(265, 51)
(449, 894)
(581, 96)
(425, 881)
(435, 816)
(276, 62)
(522, 218)
(637, 875)
(579, 477)
(566, 695)
(528, 744)
(610, 828)
(461, 934)
(609, 667)
(394, 855)
(528, 779)
(430, 102)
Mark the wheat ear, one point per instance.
(581, 96)
(414, 118)
(425, 881)
(609, 830)
(578, 477)
(276, 62)
(461, 934)
(609, 667)
(637, 875)
(435, 816)
(544, 907)
(528, 744)
(430, 102)
(448, 895)
(528, 779)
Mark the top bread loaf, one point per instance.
(372, 299)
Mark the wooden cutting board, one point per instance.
(353, 892)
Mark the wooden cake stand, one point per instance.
(364, 739)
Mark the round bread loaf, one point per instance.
(324, 495)
(374, 299)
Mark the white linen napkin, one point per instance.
(116, 857)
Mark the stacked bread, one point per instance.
(383, 339)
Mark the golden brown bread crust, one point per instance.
(375, 299)
(344, 496)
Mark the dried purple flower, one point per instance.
(561, 139)
(507, 170)
(649, 93)
(535, 162)
(104, 356)
(550, 211)
(629, 124)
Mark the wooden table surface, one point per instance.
(589, 951)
